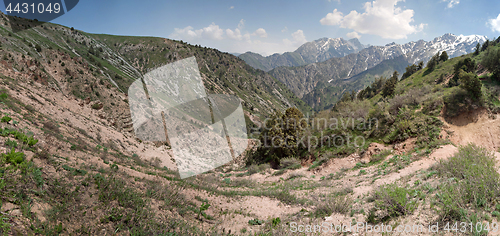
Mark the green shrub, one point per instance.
(495, 214)
(6, 119)
(473, 181)
(433, 105)
(11, 143)
(14, 157)
(471, 83)
(275, 222)
(97, 106)
(392, 200)
(255, 222)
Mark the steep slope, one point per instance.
(66, 168)
(324, 95)
(69, 161)
(120, 60)
(302, 80)
(310, 52)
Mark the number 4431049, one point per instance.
(34, 8)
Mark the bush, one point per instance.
(490, 61)
(279, 137)
(474, 182)
(471, 83)
(13, 157)
(290, 163)
(6, 119)
(432, 106)
(392, 200)
(11, 143)
(255, 222)
(476, 166)
(97, 106)
(459, 101)
(338, 204)
(411, 98)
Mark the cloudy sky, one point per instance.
(268, 26)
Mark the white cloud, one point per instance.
(353, 34)
(238, 39)
(241, 25)
(333, 18)
(231, 7)
(298, 38)
(284, 30)
(495, 24)
(381, 17)
(186, 33)
(212, 31)
(236, 34)
(451, 3)
(260, 32)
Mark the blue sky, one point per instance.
(269, 26)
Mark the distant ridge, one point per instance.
(304, 80)
(316, 51)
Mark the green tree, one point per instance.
(390, 85)
(491, 61)
(433, 62)
(471, 83)
(345, 97)
(467, 65)
(281, 134)
(478, 48)
(485, 45)
(410, 70)
(420, 65)
(444, 56)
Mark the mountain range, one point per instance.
(343, 72)
(310, 52)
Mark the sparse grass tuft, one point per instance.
(339, 204)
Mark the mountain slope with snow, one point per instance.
(311, 52)
(338, 72)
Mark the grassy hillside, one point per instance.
(120, 60)
(69, 164)
(405, 182)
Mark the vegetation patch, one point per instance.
(472, 180)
